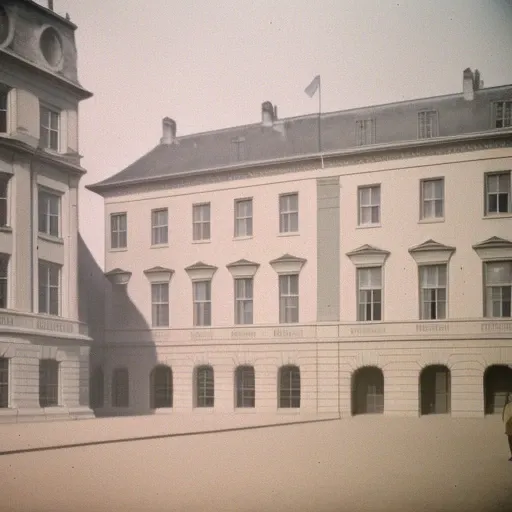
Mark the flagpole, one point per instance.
(320, 119)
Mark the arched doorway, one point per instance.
(435, 390)
(497, 383)
(368, 391)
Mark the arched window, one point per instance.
(120, 388)
(4, 382)
(368, 390)
(97, 388)
(497, 383)
(205, 387)
(48, 383)
(161, 387)
(289, 387)
(245, 386)
(435, 395)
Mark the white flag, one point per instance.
(313, 86)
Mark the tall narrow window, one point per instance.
(427, 124)
(238, 148)
(369, 205)
(120, 388)
(4, 382)
(432, 199)
(498, 284)
(202, 303)
(97, 388)
(502, 114)
(243, 301)
(4, 280)
(118, 231)
(365, 132)
(49, 128)
(245, 386)
(49, 288)
(289, 387)
(243, 217)
(201, 222)
(160, 304)
(498, 193)
(49, 213)
(159, 226)
(4, 200)
(433, 294)
(369, 294)
(48, 383)
(289, 213)
(161, 387)
(3, 108)
(289, 299)
(205, 387)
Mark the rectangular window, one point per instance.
(365, 132)
(498, 285)
(48, 383)
(245, 387)
(289, 213)
(243, 301)
(433, 293)
(369, 288)
(49, 288)
(243, 217)
(502, 114)
(289, 299)
(427, 124)
(238, 148)
(49, 213)
(118, 231)
(159, 226)
(4, 280)
(160, 304)
(4, 200)
(49, 128)
(201, 222)
(202, 303)
(4, 382)
(369, 205)
(498, 193)
(432, 199)
(3, 110)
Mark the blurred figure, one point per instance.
(507, 419)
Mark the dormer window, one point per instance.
(427, 124)
(502, 114)
(238, 148)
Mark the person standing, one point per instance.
(507, 419)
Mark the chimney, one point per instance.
(50, 5)
(267, 114)
(275, 112)
(468, 84)
(478, 82)
(168, 131)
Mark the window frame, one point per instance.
(437, 266)
(201, 313)
(161, 394)
(359, 269)
(5, 263)
(118, 231)
(5, 375)
(45, 196)
(246, 220)
(48, 286)
(159, 232)
(372, 204)
(238, 149)
(4, 110)
(487, 176)
(201, 222)
(245, 392)
(365, 129)
(433, 119)
(291, 389)
(242, 301)
(494, 117)
(423, 199)
(289, 213)
(97, 388)
(204, 395)
(488, 306)
(5, 188)
(160, 305)
(287, 297)
(46, 141)
(52, 398)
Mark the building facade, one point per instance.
(44, 348)
(252, 273)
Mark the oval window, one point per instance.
(51, 46)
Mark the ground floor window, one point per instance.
(48, 383)
(368, 390)
(120, 388)
(245, 386)
(4, 382)
(161, 387)
(289, 387)
(497, 384)
(205, 387)
(97, 388)
(435, 392)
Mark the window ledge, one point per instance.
(245, 410)
(159, 246)
(237, 238)
(5, 229)
(159, 327)
(507, 215)
(289, 410)
(202, 241)
(433, 220)
(289, 233)
(50, 238)
(118, 249)
(368, 226)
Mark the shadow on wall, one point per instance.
(119, 376)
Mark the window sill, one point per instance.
(433, 220)
(50, 238)
(288, 410)
(49, 315)
(5, 229)
(202, 241)
(237, 238)
(160, 327)
(368, 226)
(159, 246)
(507, 215)
(245, 410)
(289, 233)
(118, 249)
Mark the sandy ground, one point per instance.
(371, 463)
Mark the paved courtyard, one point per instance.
(371, 463)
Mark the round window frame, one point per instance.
(10, 27)
(59, 64)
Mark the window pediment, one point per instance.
(201, 271)
(368, 256)
(243, 268)
(118, 276)
(159, 274)
(494, 248)
(288, 264)
(431, 253)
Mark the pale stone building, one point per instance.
(44, 348)
(252, 273)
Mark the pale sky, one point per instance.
(210, 64)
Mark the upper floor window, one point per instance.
(49, 288)
(365, 132)
(243, 301)
(3, 108)
(49, 213)
(202, 303)
(238, 148)
(4, 280)
(369, 289)
(369, 205)
(427, 124)
(49, 128)
(118, 231)
(289, 298)
(160, 304)
(201, 221)
(243, 217)
(432, 199)
(4, 382)
(498, 284)
(289, 213)
(4, 200)
(159, 226)
(498, 193)
(48, 383)
(433, 294)
(502, 114)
